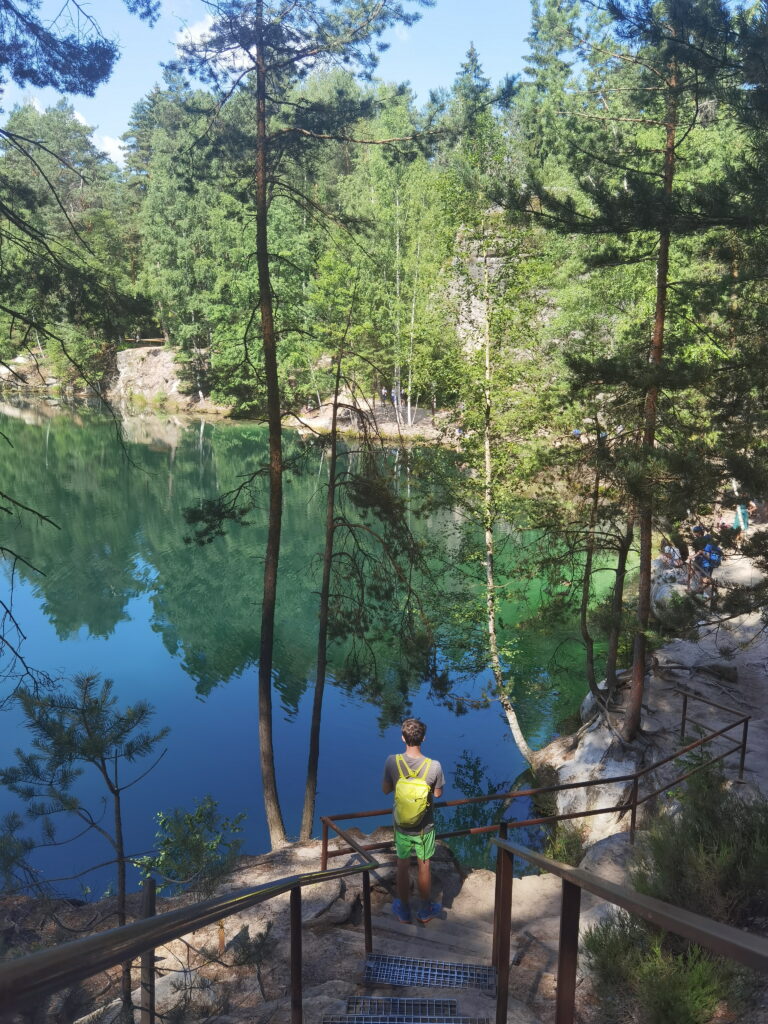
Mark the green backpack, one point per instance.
(411, 793)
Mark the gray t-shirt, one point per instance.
(434, 779)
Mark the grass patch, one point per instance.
(566, 843)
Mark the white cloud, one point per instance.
(402, 34)
(194, 33)
(112, 147)
(79, 117)
(199, 32)
(37, 104)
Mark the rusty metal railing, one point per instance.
(32, 977)
(629, 805)
(744, 947)
(40, 974)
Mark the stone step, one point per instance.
(381, 969)
(461, 936)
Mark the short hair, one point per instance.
(414, 732)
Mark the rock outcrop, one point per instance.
(150, 374)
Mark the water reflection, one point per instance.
(122, 534)
(118, 589)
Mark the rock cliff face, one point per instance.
(151, 374)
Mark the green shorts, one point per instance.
(422, 845)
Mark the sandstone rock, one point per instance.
(611, 858)
(593, 760)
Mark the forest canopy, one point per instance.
(570, 264)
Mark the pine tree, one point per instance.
(269, 47)
(71, 732)
(650, 99)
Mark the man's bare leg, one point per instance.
(425, 881)
(403, 879)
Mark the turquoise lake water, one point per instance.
(120, 593)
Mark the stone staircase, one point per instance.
(414, 967)
(408, 977)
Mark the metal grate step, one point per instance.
(406, 970)
(400, 1018)
(415, 1007)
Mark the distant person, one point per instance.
(383, 396)
(741, 518)
(679, 541)
(670, 554)
(741, 523)
(415, 780)
(700, 538)
(709, 558)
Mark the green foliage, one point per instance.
(69, 732)
(14, 852)
(68, 257)
(471, 779)
(711, 857)
(195, 849)
(635, 974)
(724, 873)
(566, 843)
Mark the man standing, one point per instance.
(415, 780)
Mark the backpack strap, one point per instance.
(412, 772)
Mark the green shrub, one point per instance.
(638, 977)
(77, 358)
(675, 989)
(711, 858)
(612, 949)
(195, 849)
(566, 843)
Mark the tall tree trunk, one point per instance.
(488, 524)
(272, 553)
(586, 636)
(119, 844)
(310, 791)
(398, 366)
(655, 356)
(617, 603)
(412, 410)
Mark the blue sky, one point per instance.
(427, 55)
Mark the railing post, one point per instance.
(147, 1006)
(296, 992)
(367, 912)
(633, 812)
(568, 953)
(324, 853)
(505, 928)
(503, 832)
(685, 716)
(743, 755)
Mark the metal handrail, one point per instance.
(631, 805)
(42, 973)
(723, 939)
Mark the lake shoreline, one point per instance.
(146, 382)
